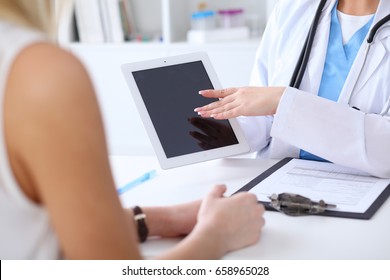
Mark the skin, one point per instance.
(358, 7)
(245, 101)
(264, 101)
(57, 151)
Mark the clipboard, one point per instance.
(364, 216)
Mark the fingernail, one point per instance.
(201, 92)
(196, 109)
(212, 116)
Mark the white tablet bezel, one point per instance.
(165, 162)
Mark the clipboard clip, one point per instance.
(297, 205)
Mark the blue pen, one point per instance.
(143, 178)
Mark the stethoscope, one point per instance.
(303, 59)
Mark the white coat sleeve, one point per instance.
(257, 129)
(334, 132)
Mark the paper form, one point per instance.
(351, 190)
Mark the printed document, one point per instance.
(351, 190)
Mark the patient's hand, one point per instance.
(230, 223)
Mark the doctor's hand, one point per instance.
(244, 101)
(229, 223)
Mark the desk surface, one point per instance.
(283, 237)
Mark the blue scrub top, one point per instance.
(338, 63)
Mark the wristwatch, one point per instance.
(140, 220)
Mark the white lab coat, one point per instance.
(334, 131)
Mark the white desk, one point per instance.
(283, 237)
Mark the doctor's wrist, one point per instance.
(277, 95)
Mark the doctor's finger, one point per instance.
(216, 104)
(203, 111)
(216, 108)
(217, 93)
(232, 112)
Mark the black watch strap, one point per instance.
(140, 220)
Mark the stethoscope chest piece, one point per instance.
(297, 205)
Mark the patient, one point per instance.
(57, 195)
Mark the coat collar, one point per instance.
(368, 60)
(361, 71)
(383, 11)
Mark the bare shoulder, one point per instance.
(48, 84)
(49, 102)
(46, 71)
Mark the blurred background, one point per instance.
(105, 34)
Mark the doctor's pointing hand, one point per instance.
(245, 101)
(320, 85)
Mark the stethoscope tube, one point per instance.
(304, 56)
(303, 59)
(376, 27)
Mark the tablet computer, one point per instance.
(166, 92)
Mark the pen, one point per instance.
(143, 178)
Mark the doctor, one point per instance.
(340, 111)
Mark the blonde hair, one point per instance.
(38, 14)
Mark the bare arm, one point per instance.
(223, 225)
(214, 226)
(171, 221)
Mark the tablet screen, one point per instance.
(170, 94)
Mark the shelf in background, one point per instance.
(254, 42)
(169, 19)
